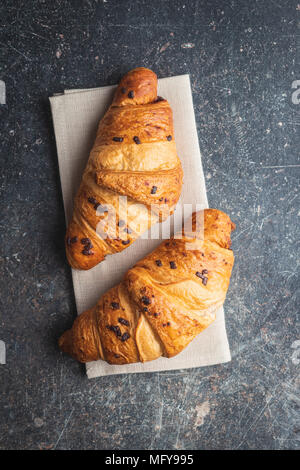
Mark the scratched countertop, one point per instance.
(243, 63)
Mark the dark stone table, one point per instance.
(241, 57)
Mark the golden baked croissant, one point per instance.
(163, 302)
(134, 155)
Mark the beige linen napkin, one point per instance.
(76, 114)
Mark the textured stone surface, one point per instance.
(242, 60)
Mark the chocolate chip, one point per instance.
(123, 321)
(159, 98)
(168, 323)
(164, 324)
(121, 223)
(115, 305)
(87, 252)
(173, 265)
(92, 200)
(125, 242)
(131, 94)
(85, 241)
(74, 240)
(204, 271)
(125, 337)
(166, 200)
(161, 199)
(155, 314)
(146, 300)
(201, 275)
(118, 139)
(117, 356)
(115, 329)
(169, 137)
(68, 241)
(154, 189)
(123, 90)
(88, 246)
(127, 230)
(158, 262)
(137, 140)
(145, 309)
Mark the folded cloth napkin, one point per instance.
(76, 114)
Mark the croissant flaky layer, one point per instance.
(134, 158)
(164, 301)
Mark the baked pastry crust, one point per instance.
(134, 156)
(164, 301)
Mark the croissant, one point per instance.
(163, 302)
(133, 177)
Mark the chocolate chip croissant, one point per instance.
(163, 302)
(133, 167)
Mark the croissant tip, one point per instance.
(137, 86)
(140, 70)
(65, 342)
